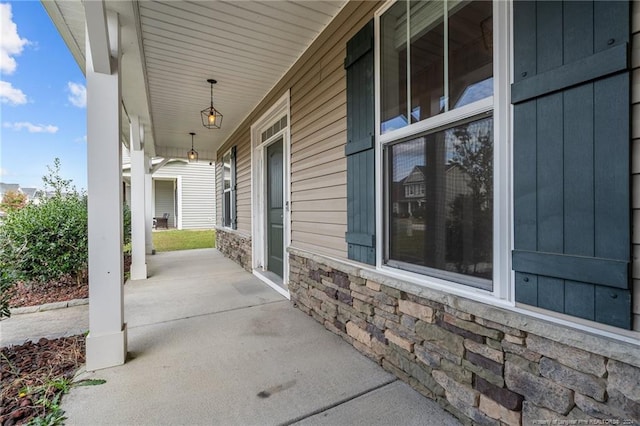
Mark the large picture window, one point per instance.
(436, 126)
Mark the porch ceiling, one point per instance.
(170, 49)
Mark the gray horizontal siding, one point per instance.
(126, 156)
(318, 135)
(198, 192)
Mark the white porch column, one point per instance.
(148, 206)
(107, 339)
(178, 193)
(138, 228)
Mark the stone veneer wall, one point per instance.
(235, 246)
(482, 371)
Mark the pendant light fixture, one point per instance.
(211, 117)
(192, 154)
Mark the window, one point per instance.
(448, 226)
(444, 62)
(436, 127)
(228, 189)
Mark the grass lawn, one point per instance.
(183, 239)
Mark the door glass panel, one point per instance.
(275, 210)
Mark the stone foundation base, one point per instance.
(235, 246)
(482, 371)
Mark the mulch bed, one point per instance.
(66, 288)
(27, 372)
(36, 294)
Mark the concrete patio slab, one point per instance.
(190, 283)
(18, 329)
(393, 404)
(210, 344)
(267, 364)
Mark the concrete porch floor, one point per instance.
(209, 343)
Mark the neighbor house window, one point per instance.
(436, 127)
(228, 189)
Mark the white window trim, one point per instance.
(500, 104)
(280, 108)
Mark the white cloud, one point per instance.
(4, 172)
(11, 95)
(32, 128)
(11, 44)
(82, 139)
(78, 94)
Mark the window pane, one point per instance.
(427, 59)
(393, 45)
(470, 52)
(226, 171)
(441, 203)
(227, 208)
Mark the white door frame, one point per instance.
(177, 196)
(279, 109)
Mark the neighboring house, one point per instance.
(185, 191)
(34, 195)
(413, 186)
(31, 193)
(6, 187)
(516, 299)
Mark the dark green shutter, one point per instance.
(234, 206)
(359, 149)
(571, 158)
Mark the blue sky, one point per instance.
(43, 99)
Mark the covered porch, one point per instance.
(209, 343)
(149, 68)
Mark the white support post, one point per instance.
(107, 339)
(178, 193)
(148, 207)
(138, 217)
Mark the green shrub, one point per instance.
(43, 243)
(47, 241)
(126, 224)
(7, 289)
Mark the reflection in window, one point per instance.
(440, 203)
(442, 64)
(226, 199)
(393, 68)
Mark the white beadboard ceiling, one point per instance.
(172, 47)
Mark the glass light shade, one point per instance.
(211, 118)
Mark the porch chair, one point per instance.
(162, 221)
